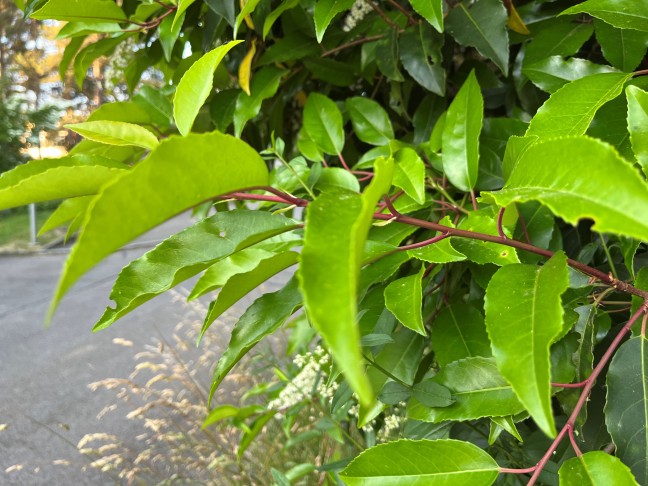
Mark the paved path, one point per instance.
(44, 373)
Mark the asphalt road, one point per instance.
(45, 404)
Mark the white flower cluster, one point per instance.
(356, 14)
(310, 380)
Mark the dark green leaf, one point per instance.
(623, 48)
(371, 123)
(482, 25)
(394, 393)
(323, 123)
(624, 14)
(558, 37)
(459, 332)
(431, 394)
(417, 46)
(626, 410)
(264, 85)
(552, 73)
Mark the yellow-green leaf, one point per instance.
(115, 133)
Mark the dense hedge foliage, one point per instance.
(473, 251)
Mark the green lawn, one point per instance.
(14, 227)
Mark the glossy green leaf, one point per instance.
(370, 121)
(480, 251)
(87, 56)
(241, 284)
(552, 73)
(459, 332)
(262, 318)
(422, 462)
(532, 314)
(440, 252)
(179, 173)
(417, 46)
(325, 11)
(596, 468)
(410, 174)
(247, 8)
(264, 85)
(515, 148)
(550, 172)
(195, 86)
(80, 11)
(225, 9)
(336, 178)
(626, 410)
(49, 179)
(570, 110)
(482, 25)
(336, 243)
(623, 48)
(169, 32)
(219, 273)
(115, 133)
(67, 211)
(558, 37)
(624, 14)
(188, 253)
(478, 390)
(431, 394)
(223, 412)
(460, 140)
(638, 124)
(122, 111)
(387, 62)
(69, 54)
(403, 297)
(323, 123)
(276, 13)
(430, 10)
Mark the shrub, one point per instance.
(472, 176)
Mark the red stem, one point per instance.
(572, 439)
(421, 244)
(582, 400)
(500, 217)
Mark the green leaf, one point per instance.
(223, 8)
(115, 133)
(325, 11)
(431, 394)
(460, 140)
(552, 73)
(596, 468)
(252, 432)
(478, 390)
(638, 124)
(123, 111)
(230, 411)
(49, 179)
(440, 252)
(195, 86)
(623, 48)
(370, 340)
(247, 8)
(558, 37)
(69, 54)
(80, 11)
(371, 122)
(186, 254)
(624, 14)
(570, 110)
(551, 172)
(422, 462)
(403, 297)
(336, 178)
(337, 225)
(91, 52)
(183, 5)
(219, 273)
(264, 85)
(323, 123)
(169, 31)
(387, 62)
(410, 174)
(530, 313)
(181, 172)
(67, 211)
(276, 13)
(394, 393)
(241, 284)
(626, 410)
(482, 26)
(262, 318)
(459, 332)
(430, 10)
(417, 46)
(480, 251)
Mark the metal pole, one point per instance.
(32, 223)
